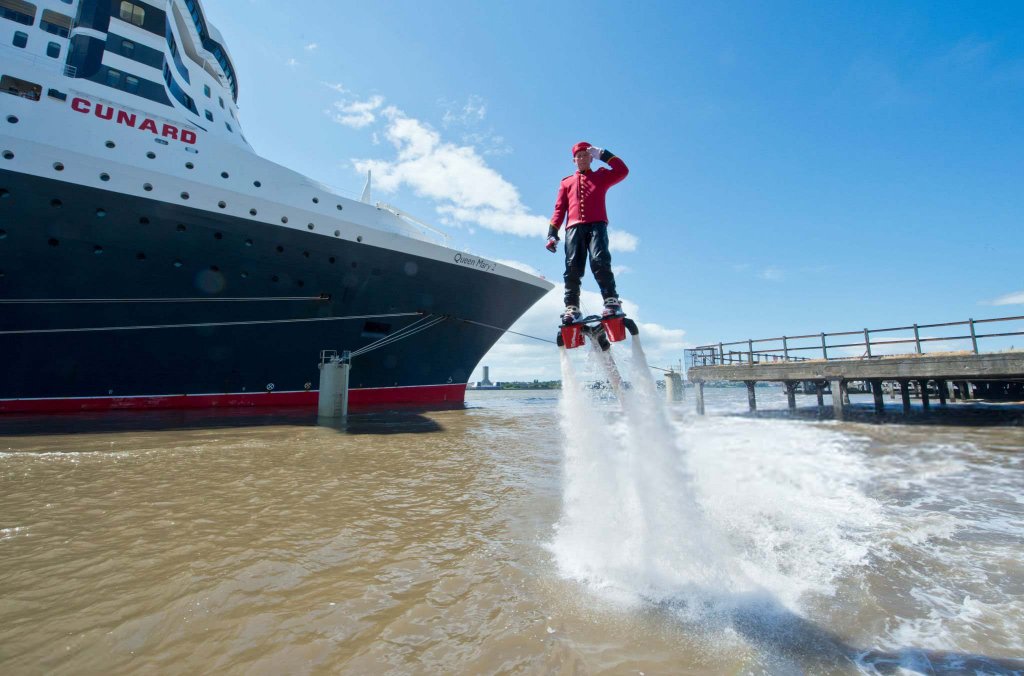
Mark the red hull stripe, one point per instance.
(425, 394)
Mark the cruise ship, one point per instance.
(149, 258)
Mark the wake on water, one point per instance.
(639, 527)
(630, 525)
(737, 528)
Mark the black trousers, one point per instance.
(582, 240)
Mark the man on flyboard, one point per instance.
(581, 198)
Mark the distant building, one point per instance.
(486, 383)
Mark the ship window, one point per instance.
(209, 116)
(229, 127)
(18, 11)
(131, 84)
(132, 13)
(20, 39)
(19, 87)
(114, 78)
(128, 48)
(53, 50)
(206, 90)
(221, 99)
(56, 23)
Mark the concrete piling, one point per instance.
(838, 391)
(333, 396)
(751, 399)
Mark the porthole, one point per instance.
(316, 200)
(273, 278)
(184, 195)
(305, 254)
(355, 264)
(214, 268)
(178, 263)
(53, 241)
(245, 275)
(104, 176)
(151, 155)
(8, 155)
(97, 249)
(280, 249)
(218, 235)
(300, 283)
(331, 260)
(189, 165)
(110, 144)
(162, 141)
(181, 227)
(248, 242)
(284, 219)
(147, 187)
(3, 234)
(190, 149)
(223, 174)
(57, 166)
(359, 238)
(101, 212)
(143, 221)
(257, 183)
(13, 119)
(339, 207)
(222, 204)
(140, 256)
(252, 212)
(55, 203)
(5, 193)
(337, 233)
(310, 226)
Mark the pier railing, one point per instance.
(868, 344)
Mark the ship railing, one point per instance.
(42, 62)
(868, 345)
(415, 222)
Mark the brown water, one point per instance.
(421, 543)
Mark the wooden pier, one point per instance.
(777, 360)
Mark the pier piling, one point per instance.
(751, 399)
(876, 391)
(838, 394)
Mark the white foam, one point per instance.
(703, 512)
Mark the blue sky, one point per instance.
(795, 167)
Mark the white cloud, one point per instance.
(772, 274)
(356, 114)
(620, 240)
(291, 62)
(472, 111)
(466, 189)
(336, 87)
(621, 270)
(1015, 298)
(311, 46)
(516, 357)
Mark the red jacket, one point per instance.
(581, 195)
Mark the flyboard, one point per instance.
(602, 332)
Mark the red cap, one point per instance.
(582, 145)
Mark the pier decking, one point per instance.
(769, 363)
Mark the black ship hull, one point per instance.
(110, 300)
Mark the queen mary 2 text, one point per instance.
(134, 120)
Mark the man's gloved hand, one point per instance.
(552, 244)
(595, 152)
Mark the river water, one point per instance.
(529, 532)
